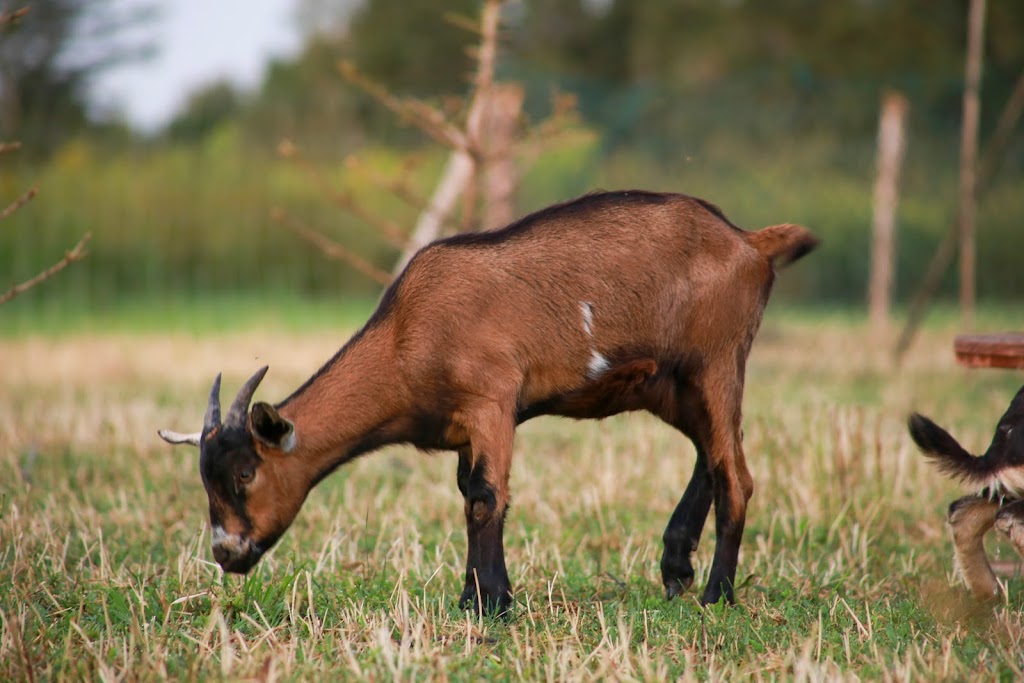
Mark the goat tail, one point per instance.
(783, 244)
(947, 454)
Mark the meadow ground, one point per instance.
(845, 571)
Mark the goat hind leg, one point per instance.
(733, 487)
(969, 520)
(731, 484)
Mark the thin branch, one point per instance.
(462, 21)
(76, 254)
(488, 49)
(6, 147)
(564, 116)
(392, 233)
(329, 247)
(427, 118)
(400, 188)
(12, 17)
(18, 203)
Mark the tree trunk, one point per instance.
(501, 168)
(891, 143)
(968, 155)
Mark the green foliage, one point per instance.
(800, 65)
(191, 221)
(410, 46)
(206, 109)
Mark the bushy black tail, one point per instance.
(947, 454)
(1004, 454)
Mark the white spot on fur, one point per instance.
(588, 317)
(598, 364)
(221, 538)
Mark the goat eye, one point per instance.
(245, 475)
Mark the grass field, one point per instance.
(845, 568)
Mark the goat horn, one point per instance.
(240, 408)
(212, 418)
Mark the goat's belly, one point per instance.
(618, 389)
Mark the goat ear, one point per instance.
(176, 438)
(269, 427)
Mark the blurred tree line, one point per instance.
(47, 58)
(648, 73)
(768, 108)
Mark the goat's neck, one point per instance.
(348, 406)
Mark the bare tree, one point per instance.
(988, 164)
(483, 169)
(77, 252)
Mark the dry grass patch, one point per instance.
(845, 567)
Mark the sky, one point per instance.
(196, 42)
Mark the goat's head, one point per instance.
(253, 493)
(1008, 441)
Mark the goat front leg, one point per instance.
(969, 520)
(684, 530)
(483, 475)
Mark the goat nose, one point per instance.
(222, 554)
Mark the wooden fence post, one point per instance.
(891, 144)
(968, 163)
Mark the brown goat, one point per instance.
(612, 302)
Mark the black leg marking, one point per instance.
(684, 529)
(487, 588)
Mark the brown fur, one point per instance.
(612, 302)
(969, 520)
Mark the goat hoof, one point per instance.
(716, 593)
(676, 574)
(496, 603)
(674, 587)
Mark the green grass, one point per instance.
(844, 572)
(223, 312)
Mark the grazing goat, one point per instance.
(612, 302)
(999, 503)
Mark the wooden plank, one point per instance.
(1001, 350)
